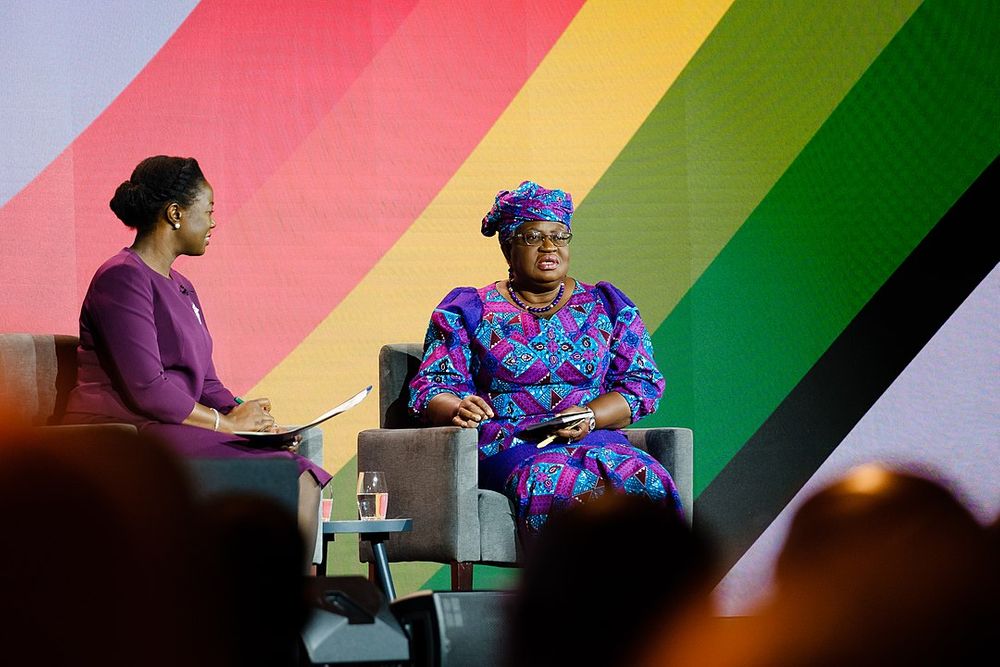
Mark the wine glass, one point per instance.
(373, 496)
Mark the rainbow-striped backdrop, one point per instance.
(797, 195)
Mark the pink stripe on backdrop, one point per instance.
(368, 171)
(306, 202)
(238, 89)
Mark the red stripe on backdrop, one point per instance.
(305, 209)
(239, 89)
(370, 169)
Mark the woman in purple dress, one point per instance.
(519, 351)
(145, 354)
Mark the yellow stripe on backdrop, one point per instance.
(568, 123)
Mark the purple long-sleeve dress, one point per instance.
(145, 358)
(528, 367)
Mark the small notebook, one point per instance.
(292, 430)
(544, 428)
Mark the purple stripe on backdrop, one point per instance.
(63, 64)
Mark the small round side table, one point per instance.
(375, 532)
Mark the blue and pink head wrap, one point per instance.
(528, 201)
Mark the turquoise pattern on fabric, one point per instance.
(528, 368)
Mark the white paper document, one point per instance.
(289, 431)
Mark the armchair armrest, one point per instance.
(432, 477)
(673, 447)
(311, 446)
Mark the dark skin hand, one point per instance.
(537, 273)
(251, 415)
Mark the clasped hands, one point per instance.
(472, 410)
(255, 415)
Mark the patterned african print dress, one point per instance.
(528, 368)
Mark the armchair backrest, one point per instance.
(37, 372)
(397, 364)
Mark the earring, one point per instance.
(176, 225)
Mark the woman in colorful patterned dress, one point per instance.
(519, 351)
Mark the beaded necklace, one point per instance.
(535, 309)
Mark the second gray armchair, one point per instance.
(433, 478)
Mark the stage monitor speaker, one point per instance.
(454, 628)
(351, 623)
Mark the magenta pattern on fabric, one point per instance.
(528, 201)
(528, 368)
(561, 477)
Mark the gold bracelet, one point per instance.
(216, 429)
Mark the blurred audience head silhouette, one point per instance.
(595, 578)
(103, 559)
(880, 567)
(887, 566)
(262, 551)
(111, 557)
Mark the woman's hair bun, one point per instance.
(156, 182)
(130, 204)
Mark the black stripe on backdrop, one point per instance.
(888, 332)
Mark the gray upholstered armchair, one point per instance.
(433, 477)
(38, 370)
(36, 373)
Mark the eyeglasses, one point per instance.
(535, 238)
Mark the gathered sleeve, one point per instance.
(122, 309)
(447, 362)
(632, 372)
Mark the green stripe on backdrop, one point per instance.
(910, 137)
(751, 98)
(484, 578)
(763, 83)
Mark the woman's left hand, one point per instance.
(577, 431)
